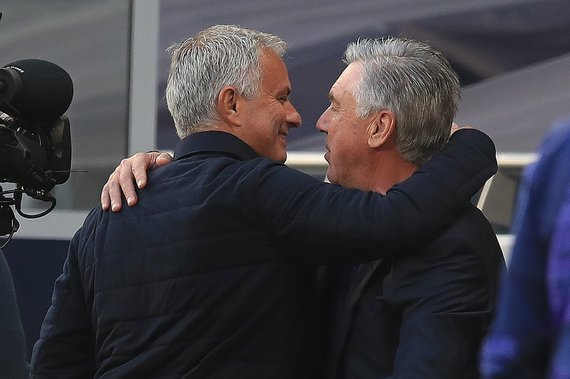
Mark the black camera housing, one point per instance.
(35, 155)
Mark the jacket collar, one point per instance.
(214, 143)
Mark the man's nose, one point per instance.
(322, 122)
(293, 117)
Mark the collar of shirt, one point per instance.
(214, 142)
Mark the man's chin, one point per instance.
(281, 158)
(329, 177)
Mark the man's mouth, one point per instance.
(283, 134)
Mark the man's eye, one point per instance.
(283, 99)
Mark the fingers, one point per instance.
(126, 177)
(105, 198)
(455, 127)
(137, 166)
(162, 159)
(142, 162)
(111, 194)
(122, 181)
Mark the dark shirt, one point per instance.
(424, 315)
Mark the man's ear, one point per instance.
(227, 105)
(381, 129)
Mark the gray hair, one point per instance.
(222, 55)
(416, 83)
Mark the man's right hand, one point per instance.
(129, 171)
(455, 127)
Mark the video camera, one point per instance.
(35, 139)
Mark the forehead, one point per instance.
(348, 80)
(274, 72)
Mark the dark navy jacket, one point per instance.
(212, 274)
(424, 314)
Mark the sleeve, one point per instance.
(12, 343)
(446, 313)
(340, 225)
(520, 343)
(66, 347)
(558, 278)
(517, 344)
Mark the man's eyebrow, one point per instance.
(331, 97)
(286, 91)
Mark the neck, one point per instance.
(387, 170)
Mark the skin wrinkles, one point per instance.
(266, 132)
(346, 143)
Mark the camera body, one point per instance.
(35, 155)
(35, 138)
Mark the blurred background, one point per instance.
(513, 58)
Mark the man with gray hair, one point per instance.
(213, 275)
(422, 314)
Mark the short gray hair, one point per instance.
(416, 83)
(221, 55)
